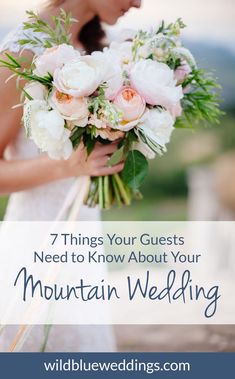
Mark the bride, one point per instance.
(37, 185)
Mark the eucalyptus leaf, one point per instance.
(135, 169)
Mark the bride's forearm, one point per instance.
(19, 175)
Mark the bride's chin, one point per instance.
(110, 21)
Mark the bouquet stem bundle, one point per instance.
(106, 190)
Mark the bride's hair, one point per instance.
(91, 35)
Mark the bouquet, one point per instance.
(136, 92)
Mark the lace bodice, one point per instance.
(44, 202)
(10, 42)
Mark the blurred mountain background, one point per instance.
(222, 61)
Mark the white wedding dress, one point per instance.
(44, 204)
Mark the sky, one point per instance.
(209, 20)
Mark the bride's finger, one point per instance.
(103, 171)
(103, 150)
(102, 161)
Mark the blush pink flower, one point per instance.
(130, 103)
(182, 72)
(99, 123)
(109, 134)
(71, 108)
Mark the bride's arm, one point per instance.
(18, 175)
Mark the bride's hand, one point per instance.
(93, 165)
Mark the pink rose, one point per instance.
(182, 72)
(130, 103)
(53, 58)
(71, 108)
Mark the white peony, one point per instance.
(46, 129)
(80, 77)
(157, 126)
(54, 58)
(112, 72)
(155, 82)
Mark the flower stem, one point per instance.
(95, 199)
(122, 190)
(106, 193)
(92, 192)
(101, 197)
(117, 196)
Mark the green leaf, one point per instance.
(76, 136)
(27, 95)
(116, 157)
(89, 142)
(90, 146)
(132, 137)
(135, 169)
(13, 60)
